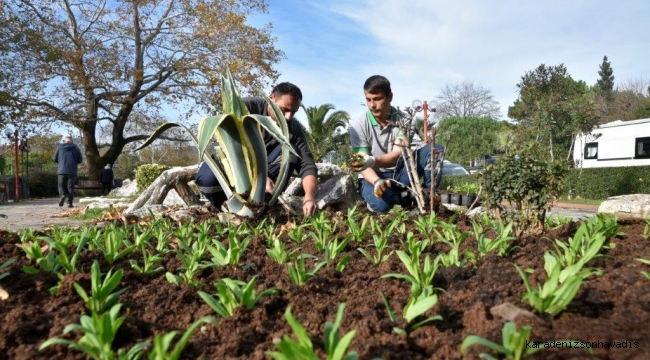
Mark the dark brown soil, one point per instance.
(611, 307)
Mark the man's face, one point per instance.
(288, 106)
(379, 104)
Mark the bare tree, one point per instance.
(630, 101)
(466, 99)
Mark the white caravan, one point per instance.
(618, 143)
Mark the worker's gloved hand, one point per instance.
(361, 162)
(381, 185)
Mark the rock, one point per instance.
(294, 188)
(627, 207)
(327, 171)
(510, 312)
(337, 193)
(128, 188)
(173, 198)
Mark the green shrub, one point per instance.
(601, 183)
(43, 185)
(527, 183)
(147, 173)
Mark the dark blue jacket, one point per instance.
(68, 156)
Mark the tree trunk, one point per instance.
(175, 178)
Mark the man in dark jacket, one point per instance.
(106, 178)
(68, 157)
(287, 97)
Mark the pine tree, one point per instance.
(606, 81)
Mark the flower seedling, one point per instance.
(232, 255)
(113, 243)
(5, 265)
(454, 238)
(560, 288)
(323, 229)
(417, 305)
(302, 348)
(426, 224)
(190, 258)
(99, 332)
(644, 261)
(501, 242)
(149, 261)
(232, 294)
(419, 275)
(515, 344)
(101, 296)
(162, 343)
(357, 230)
(380, 243)
(278, 252)
(298, 270)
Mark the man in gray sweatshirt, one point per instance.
(68, 157)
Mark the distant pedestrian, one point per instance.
(106, 178)
(68, 157)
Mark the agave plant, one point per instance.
(242, 166)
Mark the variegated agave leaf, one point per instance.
(282, 134)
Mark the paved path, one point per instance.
(35, 214)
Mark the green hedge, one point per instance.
(601, 183)
(42, 185)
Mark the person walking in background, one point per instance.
(106, 178)
(68, 157)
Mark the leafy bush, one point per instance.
(601, 183)
(43, 185)
(527, 183)
(147, 173)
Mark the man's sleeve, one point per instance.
(359, 139)
(307, 164)
(55, 158)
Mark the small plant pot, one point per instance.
(445, 198)
(468, 199)
(455, 199)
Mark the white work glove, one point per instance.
(381, 185)
(361, 162)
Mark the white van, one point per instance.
(618, 143)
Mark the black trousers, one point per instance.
(106, 188)
(66, 186)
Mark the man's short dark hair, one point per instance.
(287, 88)
(377, 84)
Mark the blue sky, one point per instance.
(332, 46)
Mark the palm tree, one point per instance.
(324, 133)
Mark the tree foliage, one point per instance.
(325, 132)
(552, 108)
(630, 101)
(606, 81)
(118, 67)
(469, 138)
(467, 100)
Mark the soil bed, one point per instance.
(611, 307)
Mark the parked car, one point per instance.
(450, 168)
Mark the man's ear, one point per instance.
(272, 96)
(390, 97)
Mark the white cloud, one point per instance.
(420, 45)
